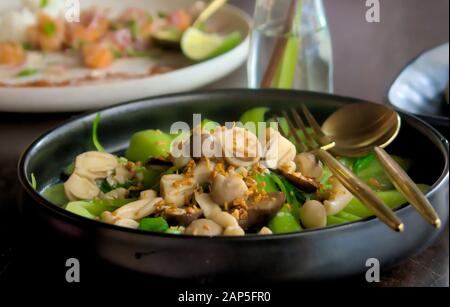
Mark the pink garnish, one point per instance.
(123, 38)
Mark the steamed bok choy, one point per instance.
(218, 192)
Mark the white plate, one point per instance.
(91, 96)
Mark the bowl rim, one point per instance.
(69, 216)
(439, 120)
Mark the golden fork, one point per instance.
(319, 143)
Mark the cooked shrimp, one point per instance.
(92, 27)
(11, 53)
(97, 56)
(180, 19)
(48, 34)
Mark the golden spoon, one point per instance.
(359, 129)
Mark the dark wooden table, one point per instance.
(367, 57)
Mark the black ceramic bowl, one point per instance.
(419, 88)
(309, 255)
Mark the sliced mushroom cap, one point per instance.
(80, 188)
(177, 190)
(137, 209)
(309, 185)
(308, 164)
(122, 174)
(203, 171)
(240, 146)
(181, 216)
(95, 165)
(204, 227)
(158, 164)
(338, 199)
(261, 209)
(226, 189)
(279, 150)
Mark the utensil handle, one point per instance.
(360, 190)
(407, 187)
(212, 8)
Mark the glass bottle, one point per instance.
(293, 39)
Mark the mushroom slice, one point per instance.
(181, 216)
(265, 231)
(308, 164)
(148, 194)
(80, 188)
(137, 209)
(226, 189)
(279, 150)
(204, 227)
(212, 211)
(177, 190)
(261, 208)
(95, 165)
(240, 146)
(127, 223)
(338, 199)
(309, 185)
(203, 171)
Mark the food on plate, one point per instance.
(40, 46)
(235, 181)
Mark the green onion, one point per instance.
(27, 72)
(49, 28)
(95, 141)
(162, 14)
(134, 29)
(43, 3)
(33, 182)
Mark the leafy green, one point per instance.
(134, 29)
(333, 220)
(33, 181)
(284, 222)
(95, 141)
(94, 208)
(266, 183)
(156, 224)
(68, 170)
(56, 194)
(254, 116)
(393, 199)
(369, 169)
(149, 144)
(43, 3)
(162, 14)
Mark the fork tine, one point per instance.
(323, 139)
(298, 141)
(303, 147)
(301, 124)
(275, 119)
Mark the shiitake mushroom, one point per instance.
(261, 211)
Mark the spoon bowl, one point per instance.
(358, 128)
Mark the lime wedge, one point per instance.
(198, 45)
